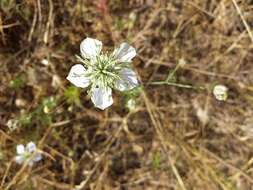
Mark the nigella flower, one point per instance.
(103, 72)
(29, 153)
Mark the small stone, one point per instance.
(138, 149)
(20, 102)
(44, 62)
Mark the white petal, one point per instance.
(19, 159)
(30, 147)
(90, 48)
(20, 149)
(125, 53)
(128, 80)
(37, 157)
(102, 97)
(77, 76)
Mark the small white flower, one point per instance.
(103, 72)
(220, 92)
(29, 153)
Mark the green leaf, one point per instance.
(72, 95)
(156, 160)
(18, 82)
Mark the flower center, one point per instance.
(104, 64)
(26, 155)
(104, 71)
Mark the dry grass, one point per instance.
(177, 138)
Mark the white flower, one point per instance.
(102, 72)
(220, 92)
(29, 153)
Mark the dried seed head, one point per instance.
(220, 92)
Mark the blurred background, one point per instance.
(166, 137)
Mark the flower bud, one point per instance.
(220, 92)
(131, 104)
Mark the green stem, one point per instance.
(176, 84)
(172, 73)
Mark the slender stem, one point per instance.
(176, 84)
(172, 73)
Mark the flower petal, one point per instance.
(20, 149)
(128, 80)
(19, 159)
(77, 76)
(102, 97)
(125, 53)
(90, 48)
(30, 147)
(37, 157)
